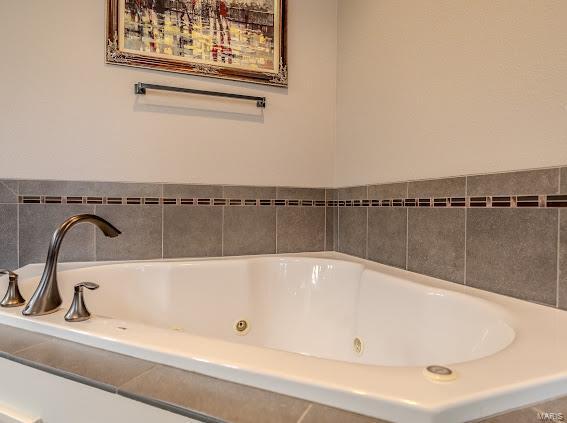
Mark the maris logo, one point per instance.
(551, 417)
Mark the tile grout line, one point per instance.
(407, 227)
(302, 417)
(21, 350)
(367, 230)
(465, 258)
(222, 232)
(325, 225)
(276, 228)
(18, 235)
(18, 224)
(162, 230)
(466, 224)
(407, 238)
(558, 243)
(94, 238)
(162, 222)
(338, 246)
(222, 222)
(558, 257)
(145, 372)
(277, 212)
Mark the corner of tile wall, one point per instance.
(562, 257)
(503, 232)
(331, 220)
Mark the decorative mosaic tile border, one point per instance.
(39, 199)
(533, 201)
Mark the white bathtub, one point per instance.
(306, 315)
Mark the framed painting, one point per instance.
(242, 40)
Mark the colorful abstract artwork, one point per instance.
(234, 39)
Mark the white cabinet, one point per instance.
(39, 397)
(9, 415)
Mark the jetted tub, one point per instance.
(324, 327)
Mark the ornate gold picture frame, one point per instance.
(243, 40)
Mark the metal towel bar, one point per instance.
(140, 88)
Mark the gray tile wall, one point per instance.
(300, 229)
(451, 187)
(141, 237)
(8, 236)
(37, 223)
(353, 231)
(332, 221)
(8, 224)
(544, 181)
(156, 231)
(8, 191)
(517, 252)
(520, 252)
(192, 231)
(513, 252)
(388, 190)
(387, 236)
(249, 230)
(436, 243)
(73, 188)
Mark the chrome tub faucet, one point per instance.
(46, 299)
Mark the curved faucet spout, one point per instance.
(46, 298)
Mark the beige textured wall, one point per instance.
(434, 88)
(65, 114)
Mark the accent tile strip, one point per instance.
(74, 200)
(527, 201)
(53, 200)
(440, 202)
(95, 200)
(534, 201)
(556, 201)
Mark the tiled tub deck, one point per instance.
(189, 394)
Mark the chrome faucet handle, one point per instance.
(13, 297)
(78, 311)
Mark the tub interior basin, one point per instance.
(325, 308)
